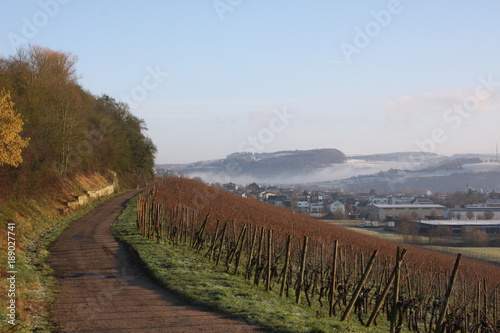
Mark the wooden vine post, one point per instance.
(214, 240)
(381, 300)
(444, 306)
(240, 250)
(334, 275)
(269, 259)
(221, 245)
(287, 265)
(395, 294)
(197, 240)
(302, 270)
(259, 257)
(360, 286)
(248, 273)
(237, 246)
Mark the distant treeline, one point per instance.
(69, 130)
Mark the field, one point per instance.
(491, 254)
(332, 269)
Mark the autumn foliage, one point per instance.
(11, 126)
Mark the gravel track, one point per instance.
(102, 289)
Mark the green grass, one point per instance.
(491, 254)
(196, 279)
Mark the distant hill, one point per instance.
(264, 166)
(448, 175)
(400, 156)
(286, 162)
(453, 163)
(397, 181)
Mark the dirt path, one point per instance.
(103, 290)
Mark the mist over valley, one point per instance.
(333, 168)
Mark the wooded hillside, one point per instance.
(67, 129)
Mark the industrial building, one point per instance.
(415, 211)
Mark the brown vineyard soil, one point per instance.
(225, 206)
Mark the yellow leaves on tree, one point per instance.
(11, 125)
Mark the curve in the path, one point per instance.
(101, 289)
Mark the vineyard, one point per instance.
(340, 273)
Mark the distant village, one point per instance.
(459, 214)
(479, 221)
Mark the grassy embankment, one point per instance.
(196, 279)
(38, 222)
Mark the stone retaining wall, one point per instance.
(91, 195)
(102, 192)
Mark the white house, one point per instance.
(336, 206)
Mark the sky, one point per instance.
(214, 77)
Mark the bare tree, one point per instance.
(408, 229)
(476, 237)
(56, 98)
(439, 231)
(488, 214)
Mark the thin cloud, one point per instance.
(429, 102)
(262, 118)
(433, 102)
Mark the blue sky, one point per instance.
(214, 77)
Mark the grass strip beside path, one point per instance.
(194, 278)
